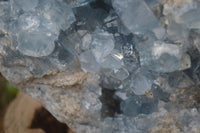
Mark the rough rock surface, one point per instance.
(25, 115)
(106, 66)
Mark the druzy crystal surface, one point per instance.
(107, 66)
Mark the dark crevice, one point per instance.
(2, 34)
(159, 93)
(110, 104)
(44, 120)
(90, 16)
(101, 4)
(194, 71)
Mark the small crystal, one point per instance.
(35, 44)
(131, 58)
(159, 32)
(102, 44)
(121, 73)
(88, 62)
(23, 5)
(86, 41)
(161, 57)
(90, 99)
(191, 18)
(120, 67)
(130, 12)
(121, 95)
(186, 62)
(140, 84)
(177, 32)
(112, 61)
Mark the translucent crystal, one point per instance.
(177, 32)
(191, 18)
(160, 48)
(121, 73)
(109, 82)
(115, 69)
(121, 95)
(86, 41)
(135, 105)
(185, 62)
(23, 5)
(88, 62)
(131, 107)
(90, 99)
(112, 61)
(35, 44)
(179, 80)
(161, 57)
(71, 41)
(130, 12)
(38, 24)
(102, 44)
(141, 83)
(159, 32)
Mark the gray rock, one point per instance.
(4, 14)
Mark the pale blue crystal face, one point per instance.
(88, 62)
(189, 20)
(121, 73)
(185, 14)
(135, 15)
(161, 57)
(23, 5)
(38, 24)
(102, 45)
(35, 44)
(141, 83)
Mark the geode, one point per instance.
(106, 66)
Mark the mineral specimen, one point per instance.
(106, 66)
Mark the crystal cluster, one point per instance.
(106, 66)
(37, 24)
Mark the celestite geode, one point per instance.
(107, 66)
